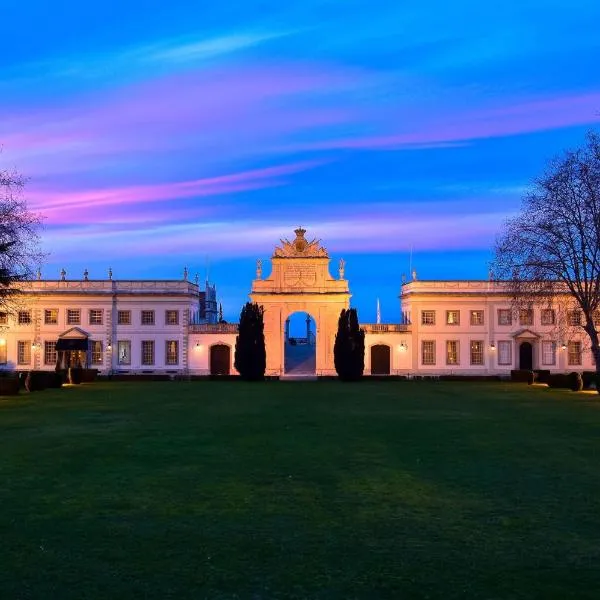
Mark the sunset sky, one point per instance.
(158, 135)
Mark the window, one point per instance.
(124, 317)
(428, 317)
(548, 353)
(548, 317)
(3, 357)
(95, 316)
(597, 317)
(73, 316)
(505, 352)
(428, 352)
(49, 353)
(3, 318)
(148, 352)
(504, 316)
(574, 317)
(172, 352)
(24, 317)
(476, 352)
(124, 352)
(452, 317)
(172, 317)
(526, 316)
(23, 353)
(51, 316)
(147, 317)
(574, 350)
(476, 317)
(451, 352)
(96, 351)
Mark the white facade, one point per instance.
(446, 328)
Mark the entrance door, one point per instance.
(220, 359)
(380, 360)
(526, 356)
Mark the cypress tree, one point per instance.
(250, 353)
(349, 347)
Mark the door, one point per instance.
(526, 356)
(220, 359)
(380, 360)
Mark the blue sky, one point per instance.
(162, 135)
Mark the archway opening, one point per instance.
(526, 356)
(380, 360)
(300, 339)
(220, 359)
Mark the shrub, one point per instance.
(575, 381)
(36, 381)
(558, 380)
(522, 376)
(349, 347)
(590, 380)
(89, 375)
(54, 379)
(9, 383)
(542, 375)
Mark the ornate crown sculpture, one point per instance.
(300, 247)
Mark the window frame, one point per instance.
(570, 354)
(505, 312)
(96, 312)
(123, 344)
(50, 352)
(453, 312)
(456, 352)
(48, 314)
(505, 344)
(480, 318)
(423, 361)
(144, 361)
(26, 346)
(526, 322)
(544, 354)
(96, 356)
(172, 312)
(425, 320)
(546, 311)
(480, 352)
(169, 360)
(146, 312)
(121, 313)
(70, 319)
(21, 320)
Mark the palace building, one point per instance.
(171, 326)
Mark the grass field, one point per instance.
(300, 490)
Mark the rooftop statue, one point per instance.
(300, 247)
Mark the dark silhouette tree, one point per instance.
(19, 238)
(349, 347)
(550, 253)
(250, 353)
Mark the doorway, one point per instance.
(526, 356)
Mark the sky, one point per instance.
(162, 135)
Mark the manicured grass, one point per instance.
(300, 490)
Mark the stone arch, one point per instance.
(381, 359)
(219, 356)
(300, 282)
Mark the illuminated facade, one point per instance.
(445, 327)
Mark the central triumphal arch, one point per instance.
(300, 282)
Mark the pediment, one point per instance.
(525, 334)
(75, 333)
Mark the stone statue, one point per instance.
(185, 273)
(342, 268)
(109, 272)
(86, 275)
(197, 279)
(63, 274)
(39, 274)
(259, 269)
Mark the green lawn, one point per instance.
(300, 490)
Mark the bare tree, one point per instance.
(19, 237)
(550, 252)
